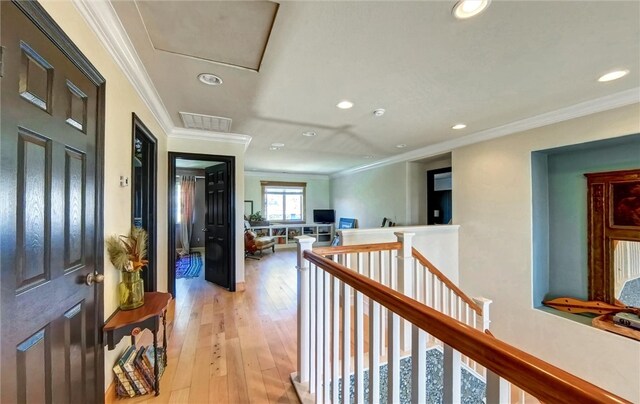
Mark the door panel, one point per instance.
(49, 150)
(218, 263)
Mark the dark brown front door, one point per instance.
(218, 219)
(50, 200)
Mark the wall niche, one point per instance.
(560, 211)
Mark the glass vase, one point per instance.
(131, 290)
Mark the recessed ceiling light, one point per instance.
(368, 156)
(344, 104)
(468, 8)
(613, 75)
(459, 126)
(210, 79)
(309, 134)
(274, 148)
(277, 144)
(401, 146)
(379, 112)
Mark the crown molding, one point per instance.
(103, 20)
(272, 174)
(197, 134)
(613, 101)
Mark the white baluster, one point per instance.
(498, 389)
(418, 365)
(467, 319)
(452, 375)
(335, 339)
(304, 243)
(346, 341)
(393, 359)
(374, 349)
(313, 315)
(385, 267)
(359, 348)
(320, 335)
(326, 337)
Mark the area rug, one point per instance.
(189, 266)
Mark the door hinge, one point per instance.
(1, 61)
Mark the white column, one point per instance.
(405, 282)
(484, 304)
(304, 243)
(498, 389)
(393, 359)
(418, 366)
(452, 382)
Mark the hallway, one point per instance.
(234, 347)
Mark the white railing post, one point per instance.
(304, 243)
(405, 281)
(484, 304)
(498, 389)
(452, 382)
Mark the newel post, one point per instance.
(304, 243)
(484, 304)
(404, 283)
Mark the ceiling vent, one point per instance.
(206, 122)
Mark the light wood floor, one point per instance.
(234, 347)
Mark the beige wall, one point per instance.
(492, 204)
(372, 195)
(316, 194)
(121, 101)
(224, 149)
(396, 191)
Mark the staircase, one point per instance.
(387, 320)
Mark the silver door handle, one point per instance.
(94, 278)
(205, 229)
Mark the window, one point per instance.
(283, 201)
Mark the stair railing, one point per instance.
(334, 340)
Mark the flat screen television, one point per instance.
(324, 216)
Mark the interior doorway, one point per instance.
(144, 172)
(201, 219)
(439, 196)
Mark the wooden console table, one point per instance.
(131, 322)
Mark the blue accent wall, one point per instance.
(560, 265)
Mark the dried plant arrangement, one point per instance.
(128, 253)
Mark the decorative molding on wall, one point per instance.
(269, 174)
(601, 104)
(103, 20)
(197, 134)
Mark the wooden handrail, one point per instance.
(358, 248)
(432, 268)
(539, 378)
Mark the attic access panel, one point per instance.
(233, 33)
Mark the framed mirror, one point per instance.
(614, 236)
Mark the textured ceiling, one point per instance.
(429, 71)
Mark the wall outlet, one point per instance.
(124, 181)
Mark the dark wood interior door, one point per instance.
(49, 223)
(144, 194)
(219, 267)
